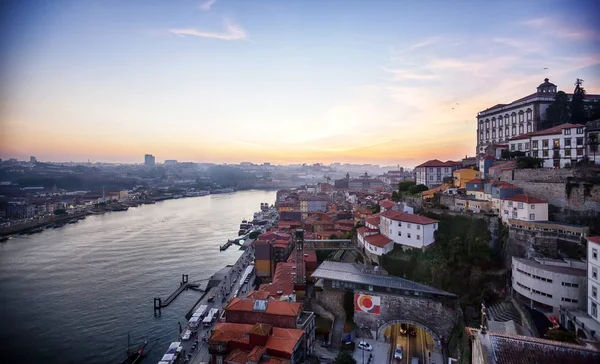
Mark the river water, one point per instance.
(71, 295)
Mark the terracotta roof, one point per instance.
(401, 216)
(279, 308)
(281, 340)
(256, 353)
(261, 329)
(438, 163)
(258, 295)
(374, 220)
(476, 180)
(387, 204)
(554, 130)
(525, 199)
(379, 240)
(345, 222)
(594, 239)
(362, 230)
(237, 357)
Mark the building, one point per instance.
(549, 284)
(374, 242)
(149, 160)
(489, 347)
(433, 172)
(460, 177)
(284, 314)
(592, 134)
(593, 279)
(244, 343)
(32, 159)
(471, 204)
(560, 146)
(408, 230)
(170, 162)
(524, 207)
(365, 184)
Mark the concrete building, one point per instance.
(560, 146)
(460, 177)
(592, 137)
(149, 160)
(593, 268)
(408, 230)
(523, 207)
(549, 284)
(433, 172)
(373, 241)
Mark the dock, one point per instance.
(184, 285)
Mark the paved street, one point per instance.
(381, 352)
(231, 283)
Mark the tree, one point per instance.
(405, 185)
(413, 190)
(344, 358)
(60, 212)
(395, 196)
(529, 162)
(505, 154)
(558, 112)
(577, 106)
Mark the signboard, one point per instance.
(367, 303)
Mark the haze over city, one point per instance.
(276, 81)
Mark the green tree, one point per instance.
(395, 196)
(558, 112)
(405, 185)
(344, 358)
(529, 162)
(60, 212)
(413, 190)
(505, 154)
(577, 106)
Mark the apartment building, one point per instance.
(524, 207)
(433, 172)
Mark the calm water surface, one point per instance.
(71, 295)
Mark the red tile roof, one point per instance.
(401, 216)
(379, 240)
(525, 199)
(438, 163)
(362, 230)
(237, 357)
(261, 329)
(280, 308)
(374, 220)
(256, 353)
(554, 130)
(594, 239)
(387, 204)
(258, 295)
(282, 340)
(476, 180)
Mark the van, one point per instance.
(414, 361)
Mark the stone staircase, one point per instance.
(504, 311)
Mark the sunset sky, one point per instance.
(277, 81)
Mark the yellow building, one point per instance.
(460, 177)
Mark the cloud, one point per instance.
(207, 4)
(559, 29)
(404, 74)
(425, 43)
(233, 32)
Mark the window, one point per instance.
(515, 215)
(431, 170)
(534, 144)
(506, 132)
(594, 309)
(408, 225)
(418, 227)
(435, 226)
(529, 115)
(431, 178)
(531, 216)
(399, 223)
(514, 130)
(512, 147)
(529, 127)
(556, 143)
(520, 205)
(399, 233)
(408, 235)
(545, 153)
(567, 131)
(579, 130)
(595, 253)
(594, 291)
(564, 299)
(579, 151)
(493, 122)
(520, 146)
(594, 272)
(567, 152)
(510, 204)
(526, 146)
(567, 142)
(535, 154)
(520, 129)
(532, 206)
(567, 284)
(545, 143)
(418, 237)
(579, 141)
(521, 117)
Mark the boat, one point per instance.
(136, 355)
(5, 238)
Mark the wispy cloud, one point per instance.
(232, 32)
(425, 43)
(404, 74)
(560, 29)
(207, 4)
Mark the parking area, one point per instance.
(379, 354)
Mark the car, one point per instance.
(402, 329)
(398, 353)
(365, 346)
(412, 331)
(211, 298)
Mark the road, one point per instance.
(231, 283)
(412, 346)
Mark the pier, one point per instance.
(183, 286)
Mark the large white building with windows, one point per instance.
(524, 208)
(502, 122)
(408, 230)
(560, 146)
(593, 254)
(549, 284)
(433, 172)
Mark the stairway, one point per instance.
(504, 311)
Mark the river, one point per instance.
(71, 295)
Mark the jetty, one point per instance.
(184, 285)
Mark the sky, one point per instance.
(225, 81)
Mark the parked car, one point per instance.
(402, 329)
(211, 298)
(412, 331)
(398, 353)
(365, 346)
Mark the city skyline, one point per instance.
(231, 81)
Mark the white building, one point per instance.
(593, 272)
(559, 146)
(549, 284)
(408, 230)
(373, 241)
(433, 172)
(523, 207)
